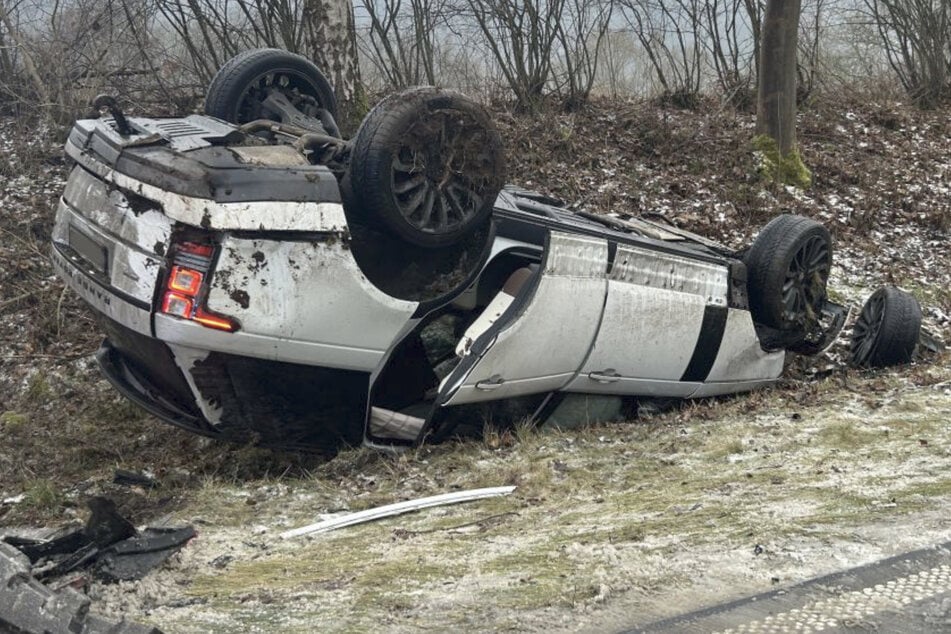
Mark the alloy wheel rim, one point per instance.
(298, 89)
(804, 287)
(441, 171)
(866, 329)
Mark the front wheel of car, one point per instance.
(788, 269)
(886, 331)
(428, 165)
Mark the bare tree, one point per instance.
(521, 37)
(916, 35)
(330, 41)
(811, 39)
(64, 52)
(39, 85)
(754, 11)
(732, 41)
(617, 63)
(776, 100)
(670, 32)
(401, 38)
(581, 34)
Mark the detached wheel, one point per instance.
(243, 83)
(788, 270)
(428, 164)
(886, 331)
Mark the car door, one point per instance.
(542, 340)
(661, 325)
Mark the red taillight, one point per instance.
(184, 294)
(185, 280)
(194, 248)
(178, 305)
(211, 320)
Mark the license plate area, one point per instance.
(95, 254)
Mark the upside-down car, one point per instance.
(259, 278)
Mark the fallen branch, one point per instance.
(398, 508)
(21, 297)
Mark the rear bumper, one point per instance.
(236, 398)
(140, 391)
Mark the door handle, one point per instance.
(605, 376)
(494, 382)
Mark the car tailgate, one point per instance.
(110, 245)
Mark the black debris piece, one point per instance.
(135, 557)
(105, 526)
(221, 562)
(65, 543)
(62, 564)
(133, 479)
(108, 543)
(78, 547)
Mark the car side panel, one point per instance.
(304, 301)
(542, 348)
(653, 323)
(741, 357)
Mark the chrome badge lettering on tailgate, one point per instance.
(102, 298)
(77, 280)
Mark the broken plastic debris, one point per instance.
(133, 478)
(398, 508)
(134, 558)
(108, 541)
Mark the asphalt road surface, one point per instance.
(906, 594)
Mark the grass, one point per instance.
(846, 436)
(13, 420)
(38, 390)
(640, 491)
(42, 494)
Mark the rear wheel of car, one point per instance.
(788, 268)
(237, 92)
(886, 331)
(428, 164)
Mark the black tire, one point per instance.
(788, 270)
(240, 86)
(428, 164)
(886, 331)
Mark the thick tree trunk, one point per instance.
(330, 41)
(776, 104)
(776, 101)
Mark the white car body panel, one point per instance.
(99, 298)
(652, 321)
(644, 267)
(248, 216)
(542, 348)
(646, 333)
(741, 357)
(310, 293)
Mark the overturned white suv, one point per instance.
(260, 279)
